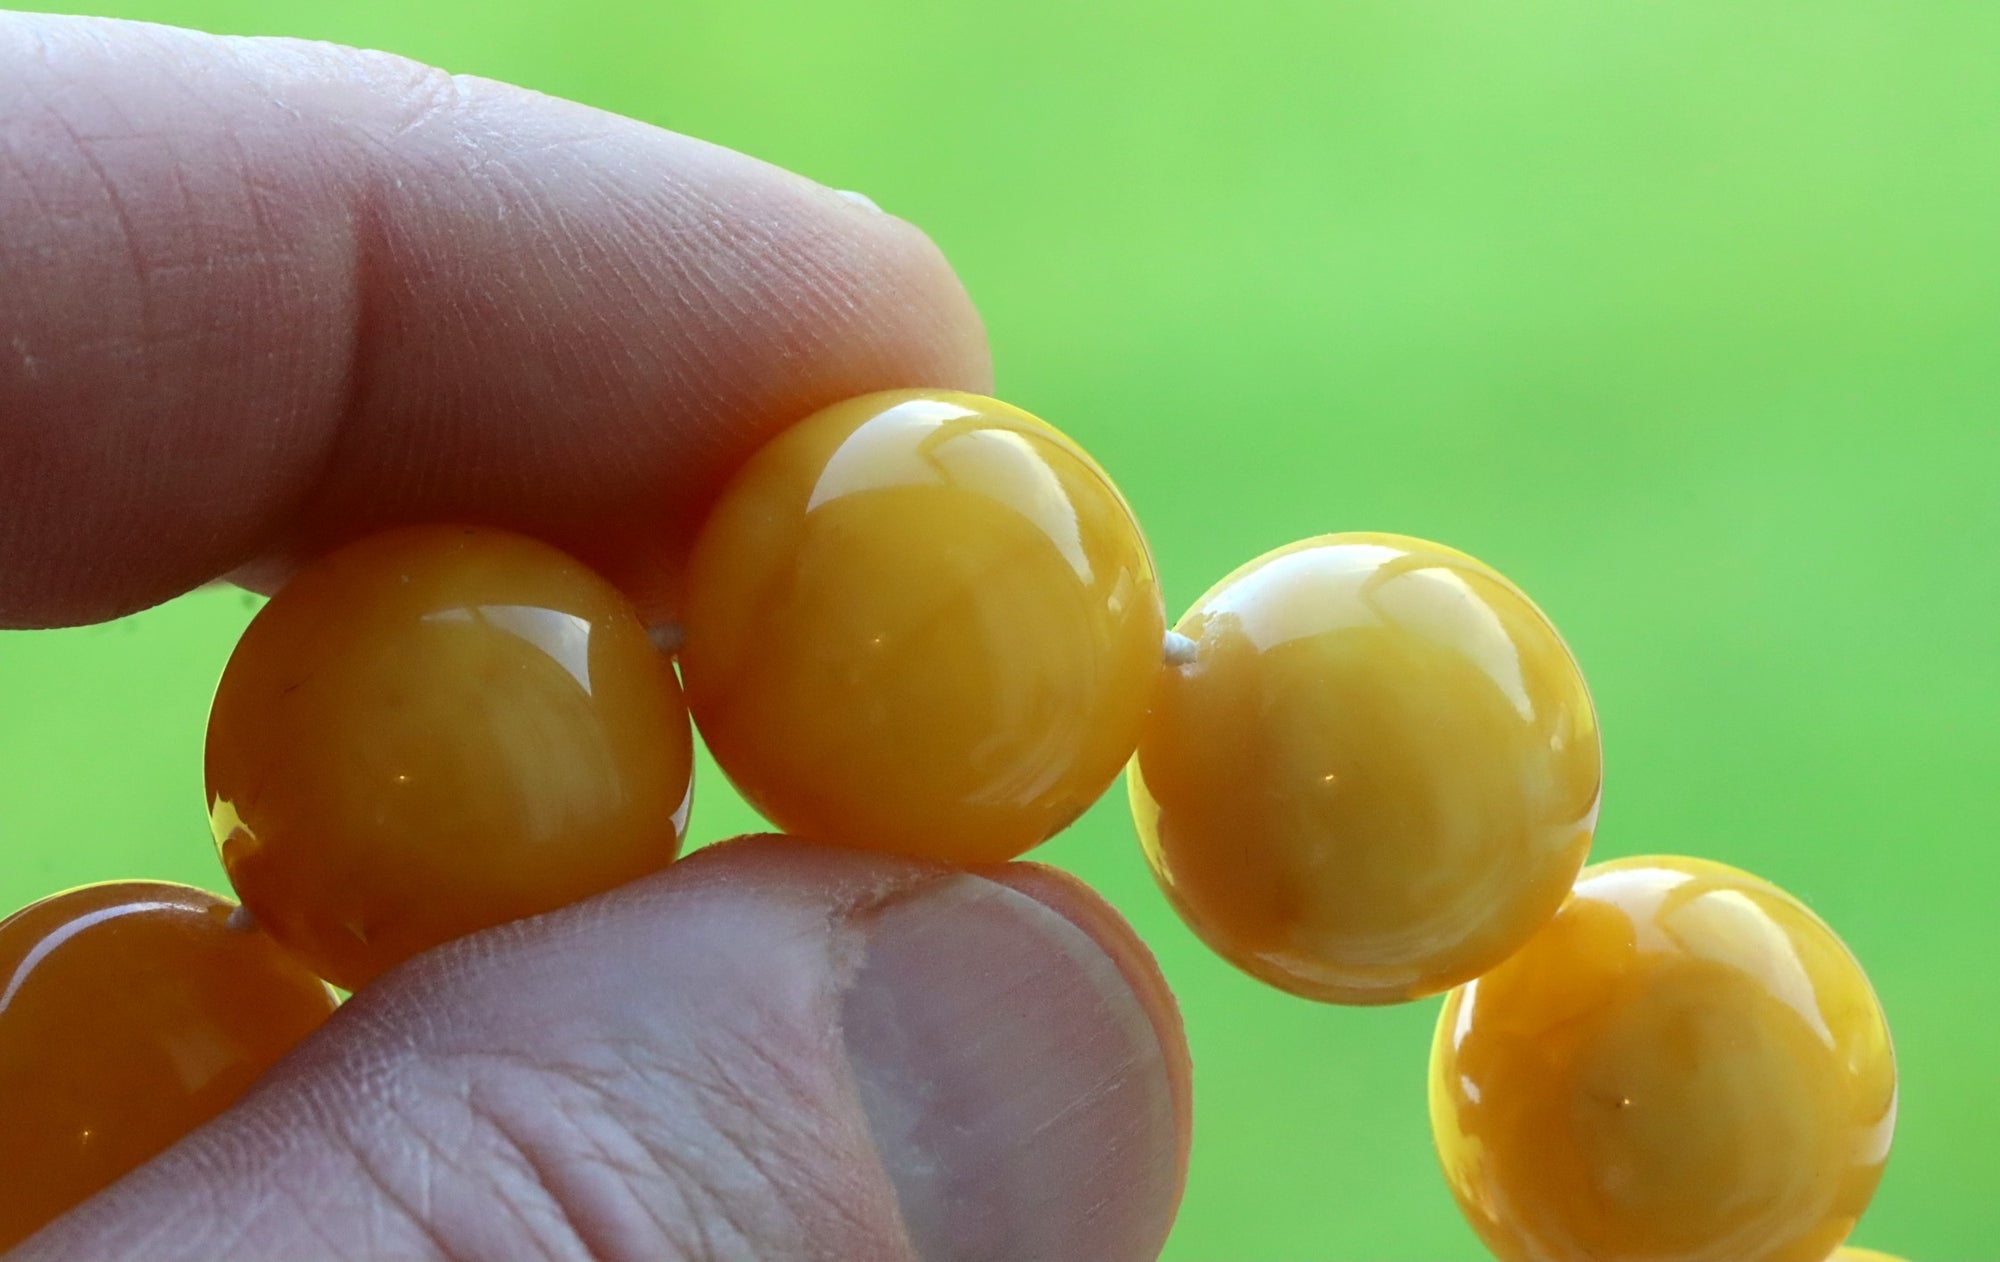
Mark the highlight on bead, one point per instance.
(922, 622)
(1684, 1063)
(1371, 769)
(436, 730)
(130, 1013)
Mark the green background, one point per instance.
(1685, 315)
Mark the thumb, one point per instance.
(770, 1051)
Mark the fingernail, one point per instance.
(859, 199)
(1025, 1086)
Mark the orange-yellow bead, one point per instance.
(1685, 1064)
(436, 730)
(130, 1013)
(1373, 773)
(1849, 1253)
(922, 622)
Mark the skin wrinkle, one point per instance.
(656, 1171)
(391, 1198)
(300, 1208)
(563, 236)
(550, 1215)
(718, 1221)
(181, 1216)
(836, 935)
(593, 1151)
(717, 1106)
(434, 94)
(603, 1104)
(256, 197)
(430, 1156)
(381, 261)
(149, 274)
(128, 233)
(725, 1104)
(748, 1081)
(419, 1101)
(300, 1136)
(753, 1081)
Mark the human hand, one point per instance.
(257, 296)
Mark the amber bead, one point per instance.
(922, 622)
(130, 1013)
(1850, 1253)
(1373, 772)
(1685, 1064)
(436, 730)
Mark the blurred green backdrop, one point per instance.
(1687, 316)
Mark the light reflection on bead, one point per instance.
(1684, 1064)
(130, 1013)
(436, 730)
(1376, 776)
(922, 622)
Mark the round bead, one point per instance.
(1685, 1064)
(436, 730)
(130, 1014)
(922, 622)
(1373, 771)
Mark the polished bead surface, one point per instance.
(1685, 1065)
(436, 730)
(922, 622)
(1849, 1253)
(1373, 772)
(130, 1013)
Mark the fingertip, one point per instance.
(1069, 897)
(450, 300)
(1012, 1070)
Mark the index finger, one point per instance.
(257, 296)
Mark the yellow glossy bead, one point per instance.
(1374, 773)
(130, 1013)
(436, 730)
(1849, 1253)
(1685, 1065)
(922, 622)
